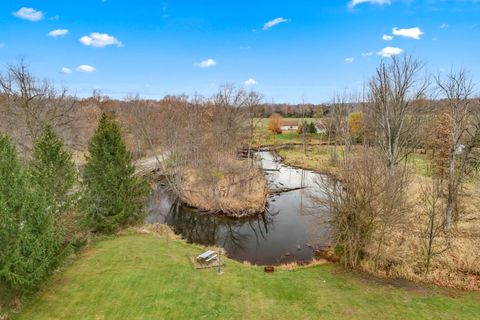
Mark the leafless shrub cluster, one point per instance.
(367, 200)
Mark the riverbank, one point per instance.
(147, 276)
(458, 267)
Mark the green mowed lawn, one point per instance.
(148, 277)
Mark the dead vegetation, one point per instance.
(389, 220)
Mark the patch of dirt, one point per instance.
(400, 283)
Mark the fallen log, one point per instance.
(283, 190)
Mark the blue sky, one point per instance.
(287, 50)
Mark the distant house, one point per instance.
(289, 125)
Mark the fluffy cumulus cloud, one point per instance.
(274, 22)
(85, 68)
(412, 33)
(349, 60)
(250, 82)
(386, 37)
(58, 33)
(100, 40)
(443, 26)
(354, 3)
(389, 52)
(29, 14)
(66, 70)
(206, 63)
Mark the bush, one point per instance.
(274, 123)
(307, 127)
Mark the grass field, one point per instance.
(263, 137)
(147, 277)
(318, 158)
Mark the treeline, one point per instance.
(306, 110)
(47, 209)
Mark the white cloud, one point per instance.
(443, 26)
(29, 14)
(85, 68)
(58, 33)
(100, 40)
(250, 82)
(390, 51)
(349, 60)
(354, 3)
(412, 33)
(367, 54)
(386, 37)
(274, 22)
(207, 63)
(66, 70)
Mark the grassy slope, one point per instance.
(146, 277)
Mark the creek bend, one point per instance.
(291, 229)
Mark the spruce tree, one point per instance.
(53, 169)
(30, 245)
(114, 196)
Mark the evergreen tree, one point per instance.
(30, 245)
(114, 196)
(312, 128)
(53, 169)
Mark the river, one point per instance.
(291, 228)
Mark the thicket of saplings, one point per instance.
(46, 210)
(386, 221)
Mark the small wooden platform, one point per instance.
(212, 264)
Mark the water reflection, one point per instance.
(287, 231)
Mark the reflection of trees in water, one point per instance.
(320, 230)
(208, 229)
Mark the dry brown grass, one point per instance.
(239, 194)
(458, 267)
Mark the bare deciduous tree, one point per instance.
(457, 91)
(393, 91)
(29, 104)
(435, 238)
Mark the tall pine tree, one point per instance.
(30, 245)
(53, 169)
(114, 196)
